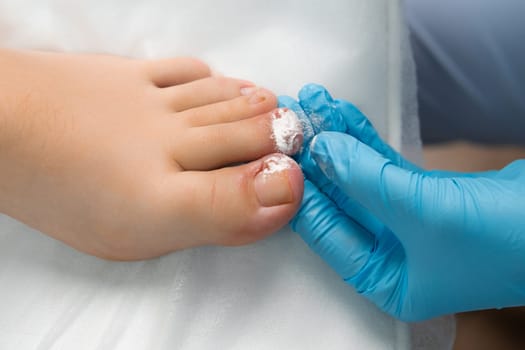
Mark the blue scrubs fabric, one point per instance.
(470, 61)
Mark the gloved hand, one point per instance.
(416, 243)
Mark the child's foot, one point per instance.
(128, 159)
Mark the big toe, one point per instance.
(242, 204)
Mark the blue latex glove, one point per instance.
(418, 244)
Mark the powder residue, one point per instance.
(287, 131)
(276, 164)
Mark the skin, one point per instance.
(131, 159)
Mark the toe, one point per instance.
(242, 204)
(204, 92)
(174, 71)
(218, 145)
(250, 103)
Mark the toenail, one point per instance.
(287, 131)
(271, 183)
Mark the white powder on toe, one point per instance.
(287, 131)
(276, 164)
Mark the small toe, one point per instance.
(174, 71)
(256, 102)
(203, 92)
(219, 145)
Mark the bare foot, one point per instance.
(129, 159)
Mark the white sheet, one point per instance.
(271, 295)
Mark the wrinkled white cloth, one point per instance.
(275, 294)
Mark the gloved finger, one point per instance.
(339, 115)
(359, 126)
(320, 107)
(348, 205)
(327, 114)
(353, 209)
(343, 244)
(391, 193)
(449, 174)
(291, 103)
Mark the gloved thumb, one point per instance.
(389, 192)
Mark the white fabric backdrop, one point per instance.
(271, 295)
